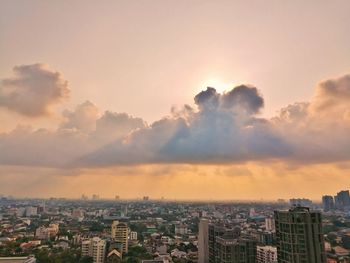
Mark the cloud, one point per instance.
(223, 128)
(83, 118)
(33, 90)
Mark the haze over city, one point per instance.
(200, 100)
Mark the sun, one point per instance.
(220, 85)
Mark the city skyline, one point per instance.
(184, 100)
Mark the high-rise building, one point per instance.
(299, 236)
(328, 202)
(120, 233)
(203, 241)
(235, 250)
(216, 231)
(342, 200)
(94, 247)
(266, 254)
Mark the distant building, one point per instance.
(31, 211)
(203, 241)
(327, 202)
(94, 247)
(133, 235)
(300, 202)
(45, 233)
(120, 233)
(181, 229)
(266, 254)
(342, 200)
(299, 236)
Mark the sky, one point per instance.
(214, 100)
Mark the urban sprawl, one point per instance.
(59, 230)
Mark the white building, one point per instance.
(94, 247)
(133, 235)
(266, 254)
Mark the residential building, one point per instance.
(94, 247)
(299, 236)
(120, 233)
(266, 254)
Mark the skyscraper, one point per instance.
(203, 241)
(120, 233)
(327, 202)
(299, 236)
(342, 200)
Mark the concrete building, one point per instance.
(270, 224)
(342, 200)
(203, 241)
(215, 232)
(181, 229)
(266, 254)
(232, 250)
(299, 236)
(327, 202)
(45, 233)
(94, 247)
(300, 202)
(133, 235)
(120, 233)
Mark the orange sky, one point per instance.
(70, 62)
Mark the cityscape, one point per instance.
(163, 231)
(174, 131)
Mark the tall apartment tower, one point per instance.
(95, 248)
(299, 236)
(120, 234)
(328, 202)
(203, 241)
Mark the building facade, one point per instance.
(94, 247)
(299, 236)
(266, 254)
(120, 233)
(203, 241)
